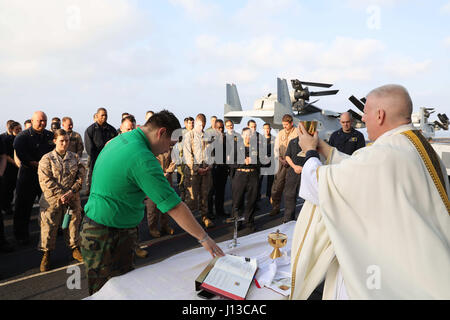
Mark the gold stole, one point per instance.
(431, 161)
(294, 269)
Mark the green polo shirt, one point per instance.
(125, 172)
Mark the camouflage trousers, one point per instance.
(107, 252)
(181, 188)
(51, 219)
(154, 215)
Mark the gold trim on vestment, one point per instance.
(431, 161)
(294, 270)
(330, 154)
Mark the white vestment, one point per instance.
(380, 222)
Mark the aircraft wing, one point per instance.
(309, 109)
(250, 113)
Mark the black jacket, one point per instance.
(31, 146)
(347, 142)
(8, 141)
(95, 138)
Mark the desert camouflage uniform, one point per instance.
(75, 143)
(58, 175)
(281, 144)
(196, 153)
(177, 157)
(168, 166)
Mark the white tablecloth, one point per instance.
(174, 278)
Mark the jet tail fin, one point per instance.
(283, 105)
(233, 102)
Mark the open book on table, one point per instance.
(228, 276)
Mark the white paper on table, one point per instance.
(274, 273)
(282, 286)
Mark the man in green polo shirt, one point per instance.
(125, 172)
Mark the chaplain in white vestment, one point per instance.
(375, 225)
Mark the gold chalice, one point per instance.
(311, 128)
(277, 240)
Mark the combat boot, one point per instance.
(155, 233)
(140, 253)
(207, 222)
(45, 262)
(168, 230)
(76, 254)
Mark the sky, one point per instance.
(70, 57)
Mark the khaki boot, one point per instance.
(76, 254)
(168, 230)
(140, 253)
(45, 262)
(155, 233)
(207, 222)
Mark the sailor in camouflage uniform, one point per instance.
(75, 141)
(60, 178)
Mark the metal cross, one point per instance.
(234, 243)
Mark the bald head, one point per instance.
(39, 121)
(396, 101)
(346, 116)
(346, 122)
(386, 108)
